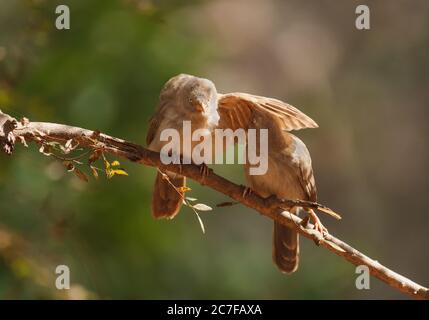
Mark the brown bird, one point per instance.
(289, 174)
(183, 98)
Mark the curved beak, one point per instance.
(199, 107)
(200, 104)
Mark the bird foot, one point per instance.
(318, 226)
(246, 192)
(305, 221)
(204, 171)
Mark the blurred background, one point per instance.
(368, 91)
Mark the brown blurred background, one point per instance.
(368, 91)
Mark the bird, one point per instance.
(183, 98)
(289, 174)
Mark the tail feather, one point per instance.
(166, 200)
(285, 248)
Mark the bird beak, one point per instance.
(200, 107)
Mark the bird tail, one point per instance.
(166, 200)
(285, 248)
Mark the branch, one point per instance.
(273, 208)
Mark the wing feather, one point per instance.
(236, 110)
(306, 179)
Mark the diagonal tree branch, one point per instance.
(12, 130)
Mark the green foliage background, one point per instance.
(366, 89)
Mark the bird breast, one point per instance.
(186, 126)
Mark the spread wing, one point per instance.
(236, 110)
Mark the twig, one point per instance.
(273, 208)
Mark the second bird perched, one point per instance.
(290, 175)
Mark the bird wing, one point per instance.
(306, 179)
(301, 159)
(237, 110)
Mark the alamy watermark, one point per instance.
(362, 280)
(362, 21)
(62, 22)
(62, 282)
(197, 147)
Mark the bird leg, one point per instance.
(317, 223)
(180, 162)
(305, 221)
(246, 192)
(204, 171)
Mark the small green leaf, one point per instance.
(119, 172)
(109, 173)
(202, 207)
(201, 222)
(183, 189)
(106, 164)
(45, 149)
(115, 163)
(68, 146)
(94, 172)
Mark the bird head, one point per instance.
(202, 100)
